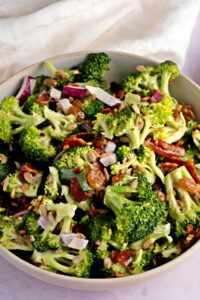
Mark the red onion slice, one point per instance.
(156, 97)
(21, 174)
(74, 91)
(110, 147)
(109, 160)
(27, 88)
(20, 213)
(103, 96)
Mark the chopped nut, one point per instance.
(145, 99)
(106, 174)
(161, 195)
(81, 236)
(71, 99)
(144, 111)
(124, 139)
(141, 69)
(61, 74)
(71, 127)
(134, 248)
(44, 211)
(92, 156)
(32, 239)
(93, 97)
(106, 154)
(19, 241)
(13, 193)
(24, 187)
(3, 159)
(136, 108)
(107, 263)
(148, 245)
(139, 122)
(50, 218)
(115, 111)
(28, 177)
(4, 183)
(59, 251)
(22, 231)
(14, 204)
(50, 81)
(129, 171)
(134, 184)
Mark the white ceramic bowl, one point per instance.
(183, 89)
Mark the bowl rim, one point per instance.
(98, 283)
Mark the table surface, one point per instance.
(182, 282)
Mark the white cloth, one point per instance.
(31, 31)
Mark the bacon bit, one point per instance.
(145, 99)
(43, 261)
(70, 142)
(120, 94)
(77, 192)
(190, 229)
(96, 177)
(191, 169)
(86, 136)
(99, 152)
(106, 111)
(165, 149)
(80, 229)
(197, 233)
(124, 258)
(114, 254)
(78, 171)
(44, 99)
(116, 178)
(188, 185)
(167, 167)
(30, 168)
(120, 275)
(98, 143)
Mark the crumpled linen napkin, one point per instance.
(31, 31)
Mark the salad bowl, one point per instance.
(122, 64)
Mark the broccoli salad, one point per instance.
(99, 180)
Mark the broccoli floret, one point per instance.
(168, 69)
(36, 144)
(168, 250)
(64, 262)
(116, 168)
(14, 120)
(98, 228)
(52, 184)
(138, 216)
(59, 123)
(173, 131)
(6, 164)
(161, 231)
(93, 68)
(181, 206)
(61, 213)
(30, 102)
(91, 109)
(10, 238)
(122, 152)
(76, 157)
(142, 261)
(143, 82)
(14, 187)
